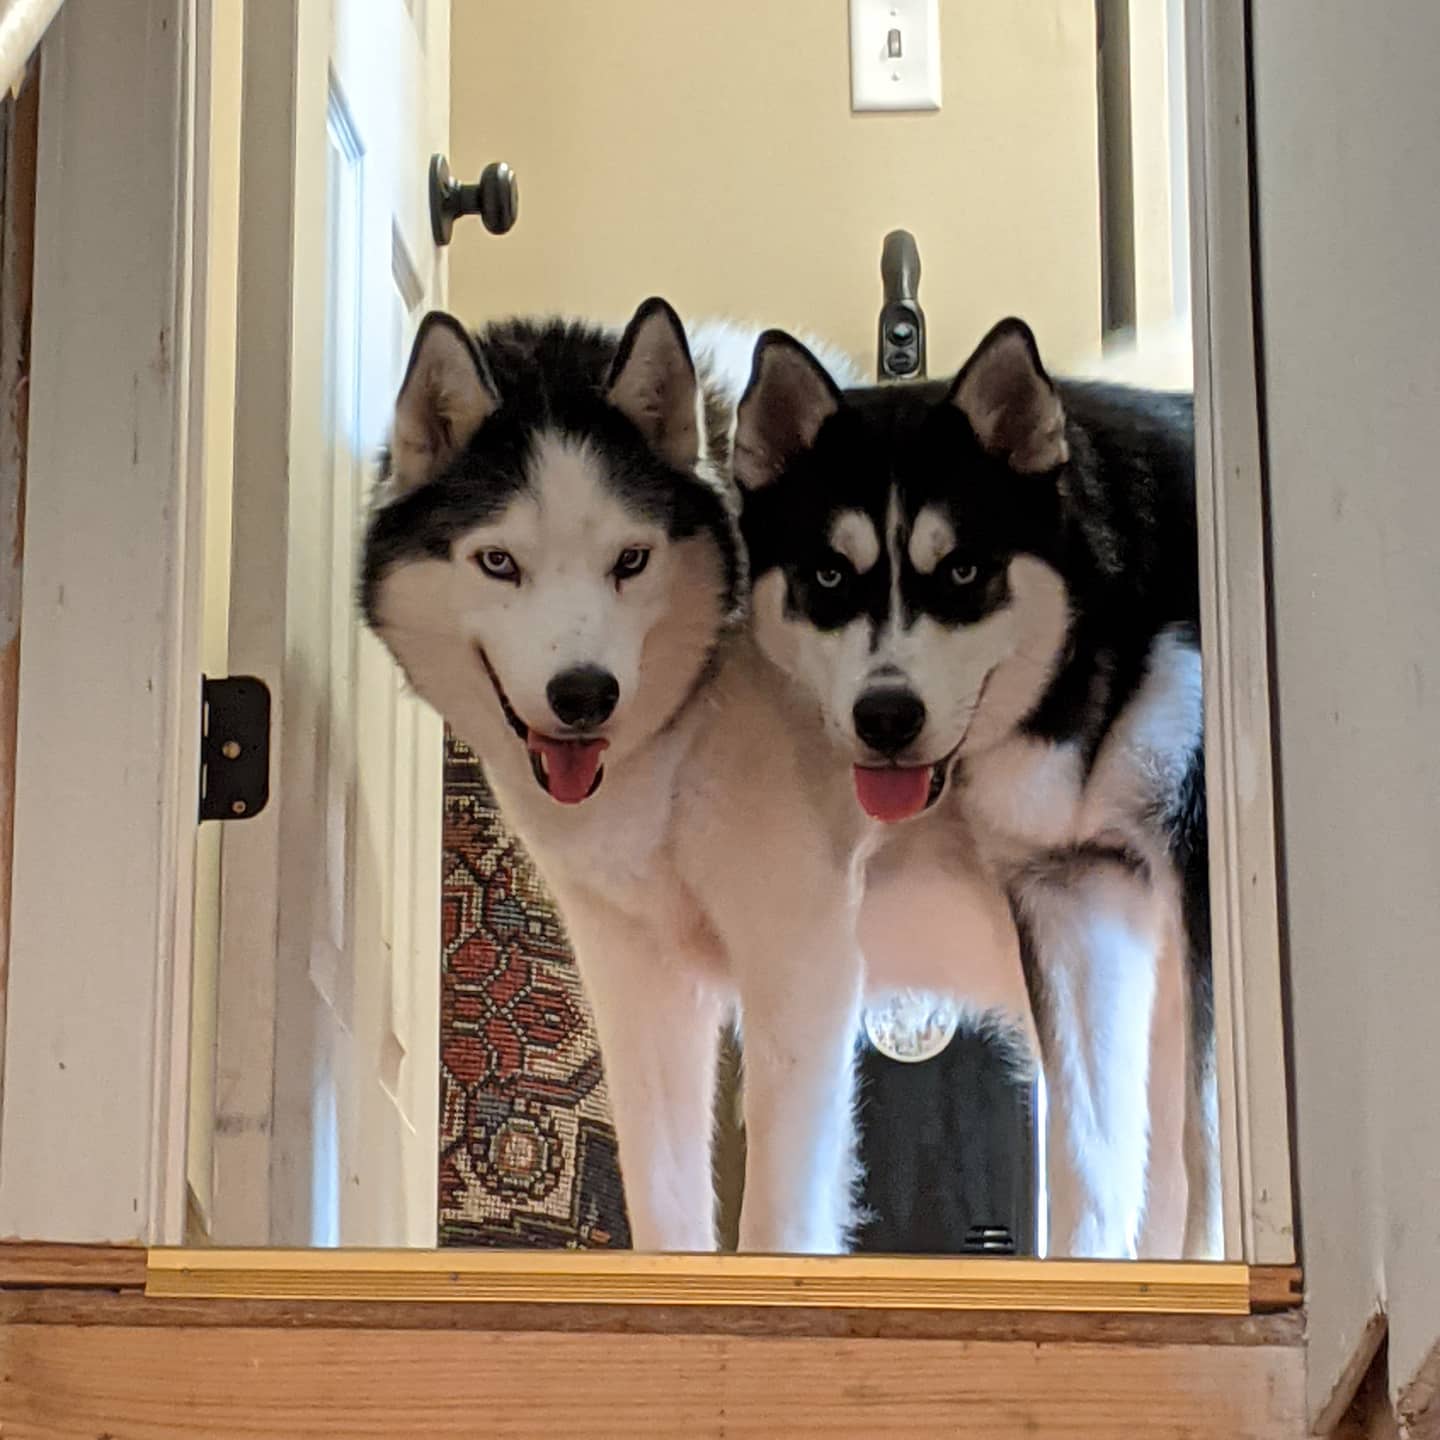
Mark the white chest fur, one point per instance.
(1027, 794)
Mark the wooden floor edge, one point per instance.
(32, 1264)
(132, 1310)
(152, 1383)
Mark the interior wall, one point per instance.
(1346, 115)
(708, 153)
(218, 439)
(19, 133)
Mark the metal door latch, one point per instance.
(234, 747)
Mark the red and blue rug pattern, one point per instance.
(527, 1151)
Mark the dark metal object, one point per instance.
(901, 351)
(234, 748)
(495, 198)
(1117, 167)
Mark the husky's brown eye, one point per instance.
(633, 559)
(961, 574)
(498, 564)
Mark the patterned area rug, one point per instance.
(527, 1151)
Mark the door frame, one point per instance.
(1247, 954)
(92, 1130)
(119, 1173)
(278, 365)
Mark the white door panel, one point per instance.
(331, 905)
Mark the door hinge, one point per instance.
(234, 747)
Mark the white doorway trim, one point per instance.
(1234, 618)
(92, 1134)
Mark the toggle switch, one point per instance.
(894, 55)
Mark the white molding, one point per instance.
(278, 371)
(172, 1006)
(92, 1140)
(1255, 1140)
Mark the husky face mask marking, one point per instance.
(947, 639)
(546, 560)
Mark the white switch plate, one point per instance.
(910, 81)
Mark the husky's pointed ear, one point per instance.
(1011, 402)
(652, 383)
(445, 397)
(789, 397)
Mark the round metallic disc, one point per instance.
(911, 1026)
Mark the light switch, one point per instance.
(894, 54)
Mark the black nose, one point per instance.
(583, 696)
(889, 718)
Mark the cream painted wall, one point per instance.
(222, 262)
(708, 153)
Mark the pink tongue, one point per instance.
(570, 765)
(892, 794)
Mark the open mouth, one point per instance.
(568, 769)
(896, 792)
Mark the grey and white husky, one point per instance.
(990, 587)
(555, 562)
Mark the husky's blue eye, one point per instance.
(498, 564)
(964, 574)
(633, 559)
(828, 578)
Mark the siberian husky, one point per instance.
(554, 560)
(990, 587)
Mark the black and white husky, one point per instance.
(990, 586)
(555, 562)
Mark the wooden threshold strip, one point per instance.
(662, 1282)
(595, 1277)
